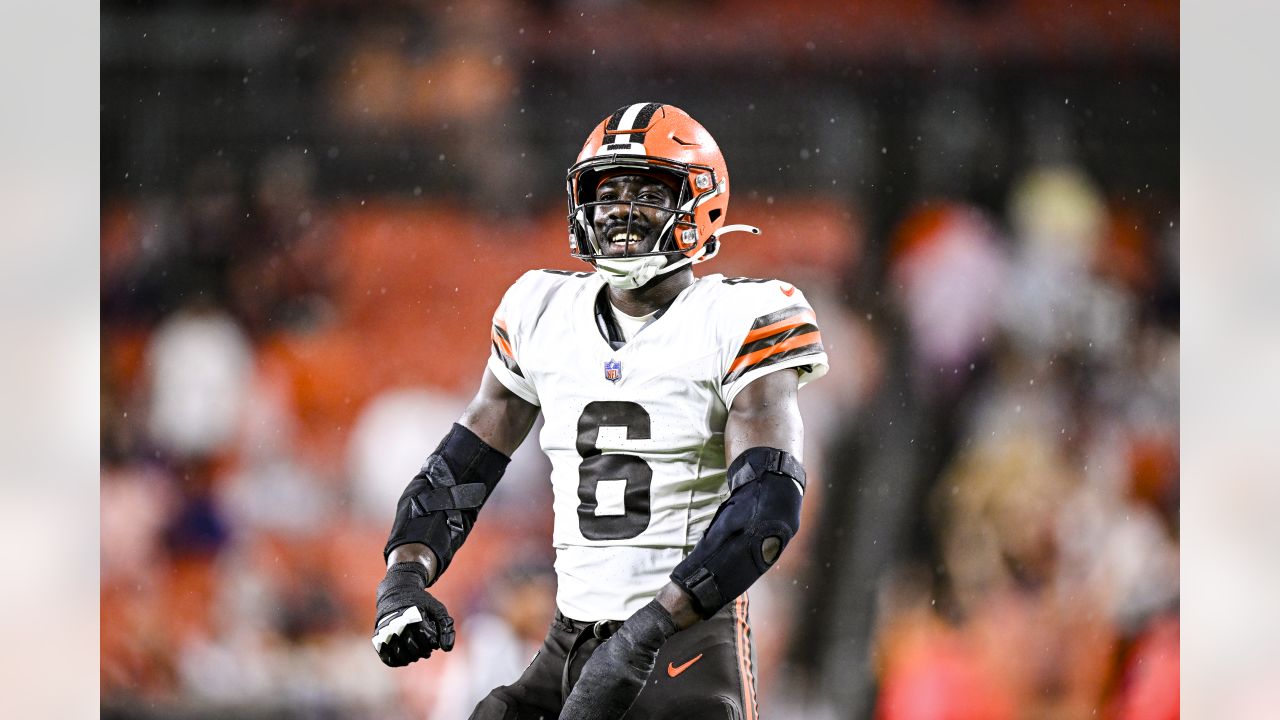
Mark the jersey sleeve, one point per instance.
(506, 339)
(773, 328)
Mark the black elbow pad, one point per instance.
(441, 503)
(748, 532)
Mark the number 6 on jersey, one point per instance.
(613, 488)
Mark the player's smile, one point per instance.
(621, 240)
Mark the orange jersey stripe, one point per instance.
(744, 657)
(502, 344)
(737, 643)
(800, 318)
(785, 345)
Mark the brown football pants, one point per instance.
(704, 672)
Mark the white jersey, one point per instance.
(635, 434)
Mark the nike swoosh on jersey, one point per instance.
(787, 290)
(674, 670)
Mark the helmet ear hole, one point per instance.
(714, 214)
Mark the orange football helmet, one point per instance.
(653, 138)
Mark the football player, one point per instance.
(671, 424)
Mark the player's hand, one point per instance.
(410, 623)
(618, 669)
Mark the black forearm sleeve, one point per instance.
(442, 501)
(748, 532)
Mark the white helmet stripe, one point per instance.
(628, 120)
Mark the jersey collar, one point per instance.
(607, 324)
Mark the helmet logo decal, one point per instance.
(612, 370)
(629, 148)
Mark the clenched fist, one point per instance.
(410, 623)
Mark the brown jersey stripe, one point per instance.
(503, 342)
(778, 355)
(502, 346)
(778, 316)
(759, 331)
(781, 336)
(809, 338)
(501, 332)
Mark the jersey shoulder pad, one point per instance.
(769, 325)
(751, 298)
(523, 307)
(529, 295)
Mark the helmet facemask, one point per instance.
(675, 239)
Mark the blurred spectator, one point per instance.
(284, 267)
(500, 640)
(948, 272)
(1057, 304)
(200, 363)
(391, 439)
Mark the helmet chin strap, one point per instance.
(634, 272)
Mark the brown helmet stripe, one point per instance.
(634, 116)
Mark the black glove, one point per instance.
(410, 623)
(618, 669)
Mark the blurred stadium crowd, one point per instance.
(311, 208)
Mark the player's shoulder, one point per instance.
(542, 284)
(751, 298)
(538, 292)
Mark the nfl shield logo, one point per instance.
(612, 370)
